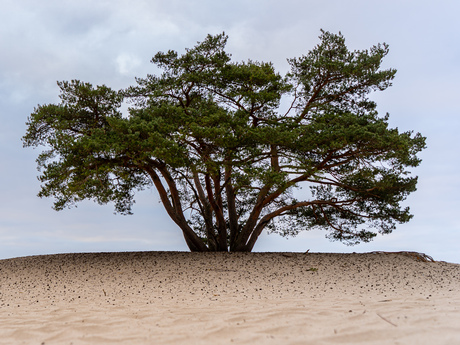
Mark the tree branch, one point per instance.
(175, 210)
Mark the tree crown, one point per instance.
(209, 136)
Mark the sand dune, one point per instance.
(228, 298)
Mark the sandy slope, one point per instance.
(226, 298)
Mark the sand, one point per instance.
(229, 298)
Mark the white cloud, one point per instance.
(127, 63)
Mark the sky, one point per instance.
(112, 42)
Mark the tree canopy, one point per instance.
(226, 159)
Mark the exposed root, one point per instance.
(417, 256)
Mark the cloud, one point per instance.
(126, 63)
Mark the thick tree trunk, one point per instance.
(206, 213)
(216, 204)
(232, 213)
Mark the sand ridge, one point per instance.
(224, 298)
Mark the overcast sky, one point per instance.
(112, 41)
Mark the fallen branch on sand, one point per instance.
(385, 319)
(417, 256)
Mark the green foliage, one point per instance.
(209, 136)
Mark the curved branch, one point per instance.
(175, 210)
